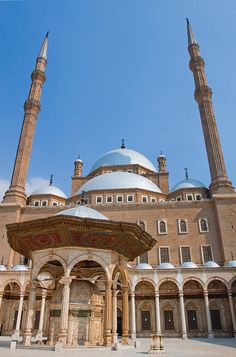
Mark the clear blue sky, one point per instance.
(116, 69)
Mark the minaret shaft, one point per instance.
(203, 96)
(16, 192)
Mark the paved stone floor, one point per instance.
(201, 347)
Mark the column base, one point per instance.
(114, 337)
(107, 339)
(133, 335)
(210, 334)
(62, 337)
(27, 338)
(157, 346)
(184, 336)
(125, 340)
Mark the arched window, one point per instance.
(203, 225)
(142, 225)
(162, 227)
(182, 223)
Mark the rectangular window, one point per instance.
(146, 320)
(142, 225)
(109, 199)
(44, 203)
(153, 199)
(130, 198)
(119, 199)
(129, 170)
(206, 253)
(185, 254)
(164, 255)
(36, 203)
(143, 258)
(192, 319)
(216, 320)
(178, 198)
(169, 319)
(198, 197)
(189, 197)
(99, 199)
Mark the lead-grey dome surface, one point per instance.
(188, 183)
(123, 157)
(20, 267)
(231, 263)
(166, 266)
(83, 212)
(49, 190)
(211, 264)
(144, 266)
(119, 180)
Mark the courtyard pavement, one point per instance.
(198, 347)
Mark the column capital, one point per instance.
(44, 293)
(132, 293)
(1, 294)
(229, 291)
(157, 294)
(66, 280)
(108, 284)
(181, 293)
(22, 293)
(205, 292)
(125, 288)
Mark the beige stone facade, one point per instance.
(145, 260)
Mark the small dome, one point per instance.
(119, 180)
(188, 183)
(165, 266)
(211, 264)
(122, 157)
(231, 263)
(49, 190)
(20, 267)
(143, 266)
(83, 212)
(2, 267)
(188, 265)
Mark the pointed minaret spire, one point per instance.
(44, 48)
(191, 37)
(16, 192)
(220, 183)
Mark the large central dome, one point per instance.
(123, 157)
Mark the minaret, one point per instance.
(220, 183)
(16, 192)
(163, 174)
(78, 166)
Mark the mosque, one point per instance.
(124, 256)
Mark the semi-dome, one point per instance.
(123, 156)
(83, 212)
(166, 266)
(188, 265)
(188, 183)
(49, 190)
(20, 267)
(231, 263)
(143, 266)
(211, 264)
(2, 267)
(119, 180)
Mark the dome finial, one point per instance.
(51, 180)
(186, 173)
(122, 144)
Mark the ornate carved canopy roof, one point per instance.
(126, 239)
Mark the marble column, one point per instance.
(208, 314)
(133, 316)
(114, 315)
(41, 318)
(108, 314)
(232, 311)
(29, 317)
(182, 312)
(157, 311)
(19, 314)
(1, 297)
(125, 315)
(62, 337)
